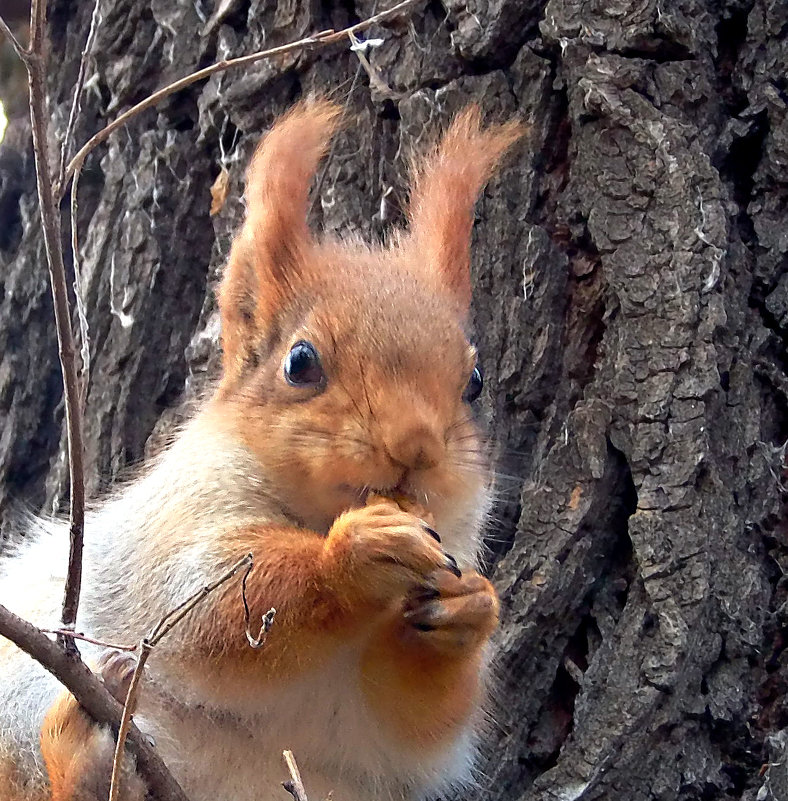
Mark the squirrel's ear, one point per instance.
(444, 186)
(271, 252)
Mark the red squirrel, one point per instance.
(339, 448)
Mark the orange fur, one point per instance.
(326, 590)
(426, 683)
(312, 471)
(446, 183)
(273, 248)
(331, 591)
(78, 756)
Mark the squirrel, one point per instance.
(339, 449)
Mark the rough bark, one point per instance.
(631, 306)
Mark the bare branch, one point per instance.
(125, 720)
(62, 658)
(15, 43)
(171, 619)
(76, 107)
(295, 786)
(83, 638)
(321, 39)
(93, 696)
(76, 102)
(255, 640)
(50, 223)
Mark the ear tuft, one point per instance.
(444, 186)
(281, 171)
(271, 252)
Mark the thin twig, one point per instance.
(84, 638)
(295, 786)
(50, 222)
(332, 147)
(172, 618)
(146, 646)
(93, 696)
(76, 101)
(76, 107)
(62, 658)
(375, 81)
(255, 641)
(321, 39)
(23, 54)
(125, 720)
(82, 317)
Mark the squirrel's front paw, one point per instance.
(455, 613)
(386, 552)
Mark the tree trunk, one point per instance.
(631, 308)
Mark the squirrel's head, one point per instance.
(347, 366)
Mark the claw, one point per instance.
(431, 531)
(451, 564)
(423, 594)
(417, 600)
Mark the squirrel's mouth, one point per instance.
(361, 494)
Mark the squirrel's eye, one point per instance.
(302, 365)
(474, 388)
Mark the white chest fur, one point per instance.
(235, 753)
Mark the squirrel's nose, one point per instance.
(417, 447)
